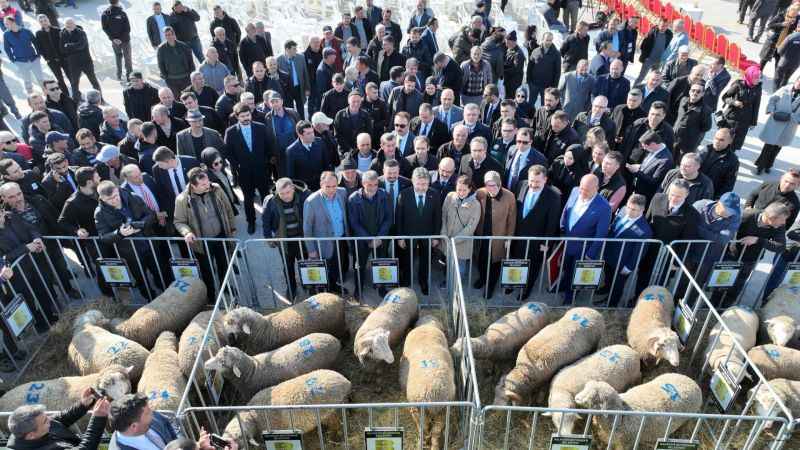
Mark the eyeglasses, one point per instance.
(520, 95)
(523, 142)
(9, 142)
(400, 125)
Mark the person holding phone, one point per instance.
(207, 441)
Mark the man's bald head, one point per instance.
(588, 186)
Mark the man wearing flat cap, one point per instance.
(280, 122)
(193, 140)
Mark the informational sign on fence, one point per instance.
(386, 272)
(115, 272)
(514, 273)
(17, 315)
(588, 274)
(569, 442)
(214, 383)
(723, 275)
(283, 440)
(724, 388)
(313, 272)
(683, 321)
(792, 277)
(677, 444)
(383, 438)
(183, 268)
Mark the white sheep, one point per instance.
(780, 317)
(162, 380)
(62, 393)
(617, 365)
(775, 361)
(503, 338)
(787, 390)
(385, 327)
(743, 324)
(667, 393)
(191, 343)
(315, 388)
(255, 333)
(427, 375)
(93, 348)
(557, 345)
(170, 311)
(250, 374)
(649, 331)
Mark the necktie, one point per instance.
(177, 179)
(530, 200)
(620, 226)
(420, 204)
(71, 182)
(435, 44)
(148, 199)
(424, 131)
(515, 171)
(391, 193)
(295, 80)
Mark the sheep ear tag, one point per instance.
(237, 372)
(246, 329)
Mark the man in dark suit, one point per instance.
(718, 77)
(350, 122)
(586, 215)
(419, 213)
(248, 153)
(648, 176)
(365, 75)
(393, 184)
(374, 13)
(521, 157)
(538, 215)
(652, 90)
(170, 175)
(672, 218)
(305, 158)
(622, 258)
(450, 75)
(473, 124)
(490, 106)
(156, 24)
(370, 215)
(59, 183)
(477, 163)
(426, 124)
(281, 123)
(444, 178)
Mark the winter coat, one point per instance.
(115, 24)
(187, 221)
(544, 67)
(693, 121)
(75, 47)
(721, 167)
(494, 53)
(781, 133)
(460, 219)
(504, 219)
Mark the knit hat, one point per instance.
(107, 153)
(192, 116)
(732, 202)
(349, 164)
(512, 36)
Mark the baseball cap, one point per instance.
(274, 95)
(732, 202)
(320, 117)
(55, 136)
(193, 116)
(107, 153)
(326, 28)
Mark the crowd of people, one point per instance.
(377, 130)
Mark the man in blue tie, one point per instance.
(447, 112)
(295, 65)
(622, 258)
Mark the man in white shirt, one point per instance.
(136, 184)
(137, 427)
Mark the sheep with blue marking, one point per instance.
(93, 348)
(617, 365)
(667, 393)
(255, 333)
(250, 374)
(649, 329)
(561, 343)
(503, 338)
(775, 361)
(385, 327)
(162, 380)
(191, 342)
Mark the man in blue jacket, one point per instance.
(18, 44)
(136, 426)
(370, 213)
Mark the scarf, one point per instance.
(752, 76)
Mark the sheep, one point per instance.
(617, 365)
(667, 393)
(787, 390)
(93, 348)
(162, 379)
(170, 311)
(250, 374)
(775, 361)
(191, 343)
(780, 317)
(254, 333)
(743, 324)
(503, 339)
(385, 327)
(649, 331)
(315, 388)
(62, 393)
(427, 375)
(558, 344)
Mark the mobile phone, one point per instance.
(219, 442)
(99, 393)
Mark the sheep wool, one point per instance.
(427, 375)
(315, 388)
(170, 311)
(93, 348)
(788, 391)
(775, 361)
(617, 365)
(558, 344)
(780, 317)
(250, 374)
(385, 327)
(667, 393)
(743, 325)
(58, 394)
(649, 329)
(254, 333)
(192, 341)
(162, 380)
(503, 339)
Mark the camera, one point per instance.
(100, 393)
(138, 224)
(219, 442)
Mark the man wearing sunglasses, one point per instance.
(11, 148)
(226, 101)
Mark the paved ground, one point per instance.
(718, 13)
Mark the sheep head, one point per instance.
(374, 344)
(781, 329)
(664, 344)
(90, 317)
(597, 395)
(457, 348)
(228, 360)
(509, 390)
(115, 381)
(237, 324)
(764, 404)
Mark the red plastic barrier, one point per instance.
(697, 32)
(688, 24)
(618, 6)
(669, 12)
(709, 38)
(721, 46)
(657, 7)
(644, 26)
(734, 55)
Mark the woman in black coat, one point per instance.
(742, 101)
(567, 170)
(215, 166)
